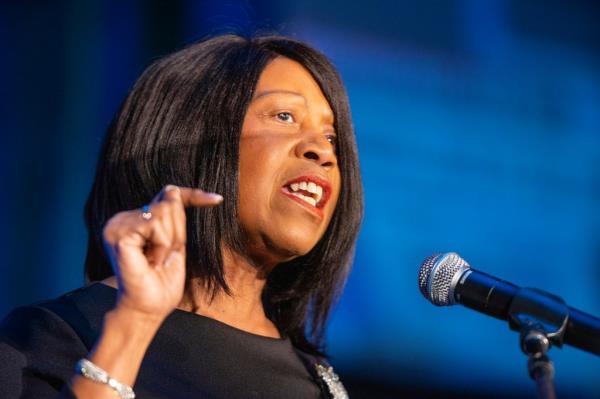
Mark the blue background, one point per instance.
(478, 124)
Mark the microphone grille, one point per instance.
(438, 275)
(425, 271)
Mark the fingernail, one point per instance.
(170, 187)
(215, 196)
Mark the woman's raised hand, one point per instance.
(147, 250)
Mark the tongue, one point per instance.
(306, 193)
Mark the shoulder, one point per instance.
(37, 352)
(53, 325)
(74, 316)
(40, 343)
(30, 327)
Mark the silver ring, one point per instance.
(146, 214)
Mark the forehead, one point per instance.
(283, 75)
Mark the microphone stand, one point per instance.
(535, 344)
(541, 318)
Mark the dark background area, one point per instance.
(478, 125)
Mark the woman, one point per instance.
(193, 293)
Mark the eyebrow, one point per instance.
(271, 92)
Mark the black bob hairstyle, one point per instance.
(181, 124)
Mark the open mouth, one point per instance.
(310, 190)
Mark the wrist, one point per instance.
(92, 372)
(119, 351)
(126, 335)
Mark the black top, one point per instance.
(191, 356)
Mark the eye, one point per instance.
(332, 138)
(286, 117)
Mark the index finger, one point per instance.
(193, 197)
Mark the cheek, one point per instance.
(336, 191)
(258, 176)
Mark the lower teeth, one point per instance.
(310, 200)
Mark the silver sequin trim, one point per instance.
(336, 388)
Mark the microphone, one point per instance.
(447, 279)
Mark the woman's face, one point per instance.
(289, 175)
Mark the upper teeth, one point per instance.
(312, 188)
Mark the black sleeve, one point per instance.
(38, 352)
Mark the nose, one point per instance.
(317, 148)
